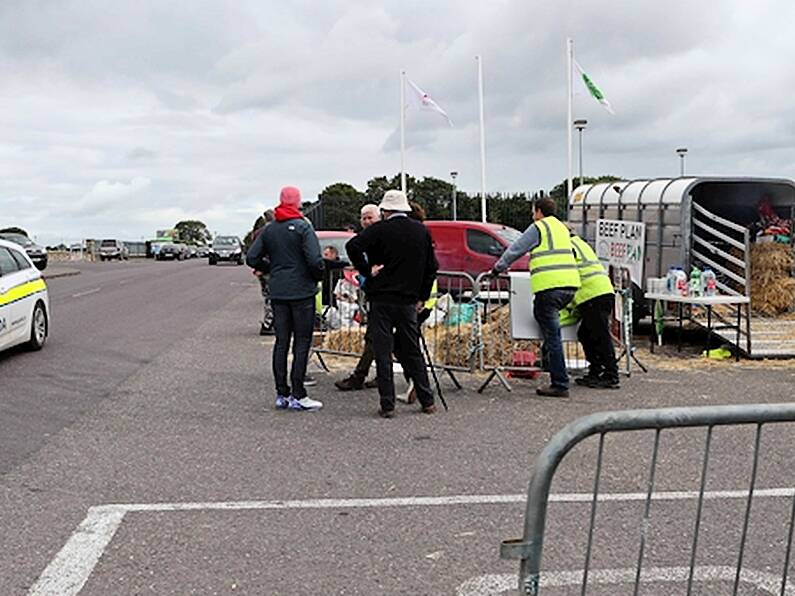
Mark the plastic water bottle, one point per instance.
(681, 282)
(695, 281)
(709, 282)
(670, 281)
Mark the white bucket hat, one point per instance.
(395, 200)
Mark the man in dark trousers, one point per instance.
(397, 260)
(554, 281)
(291, 247)
(595, 301)
(357, 379)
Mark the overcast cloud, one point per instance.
(120, 118)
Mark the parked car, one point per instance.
(170, 252)
(472, 246)
(203, 252)
(113, 249)
(24, 301)
(334, 238)
(37, 254)
(226, 248)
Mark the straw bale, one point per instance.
(345, 340)
(772, 287)
(451, 344)
(498, 344)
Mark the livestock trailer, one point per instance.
(696, 220)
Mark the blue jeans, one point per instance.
(292, 319)
(546, 310)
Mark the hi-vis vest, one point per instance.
(594, 280)
(431, 301)
(552, 263)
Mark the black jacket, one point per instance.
(404, 247)
(293, 250)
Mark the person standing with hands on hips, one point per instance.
(554, 280)
(396, 258)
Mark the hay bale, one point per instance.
(772, 287)
(450, 345)
(349, 340)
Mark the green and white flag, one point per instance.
(595, 92)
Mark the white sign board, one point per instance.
(621, 244)
(523, 324)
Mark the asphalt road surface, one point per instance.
(108, 322)
(152, 462)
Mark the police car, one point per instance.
(24, 302)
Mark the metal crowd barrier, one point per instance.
(340, 316)
(468, 330)
(529, 548)
(499, 351)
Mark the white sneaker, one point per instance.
(406, 397)
(306, 403)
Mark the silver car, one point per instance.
(113, 249)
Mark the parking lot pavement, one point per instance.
(211, 491)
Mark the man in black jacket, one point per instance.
(296, 266)
(399, 268)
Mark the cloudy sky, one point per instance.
(122, 117)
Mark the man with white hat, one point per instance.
(397, 260)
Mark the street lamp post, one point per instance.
(454, 202)
(580, 125)
(681, 152)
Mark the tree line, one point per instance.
(338, 205)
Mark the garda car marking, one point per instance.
(21, 291)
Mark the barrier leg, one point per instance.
(500, 377)
(322, 362)
(452, 378)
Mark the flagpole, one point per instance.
(482, 141)
(569, 117)
(403, 130)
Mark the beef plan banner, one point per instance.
(621, 244)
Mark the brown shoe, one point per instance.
(551, 391)
(412, 396)
(371, 384)
(386, 413)
(349, 384)
(429, 409)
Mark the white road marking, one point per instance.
(69, 570)
(496, 584)
(450, 500)
(86, 293)
(72, 566)
(123, 281)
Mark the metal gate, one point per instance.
(529, 548)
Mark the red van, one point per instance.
(472, 246)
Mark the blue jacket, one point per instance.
(296, 264)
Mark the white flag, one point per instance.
(595, 92)
(418, 99)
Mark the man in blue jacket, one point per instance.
(289, 244)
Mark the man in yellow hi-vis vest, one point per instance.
(595, 301)
(554, 280)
